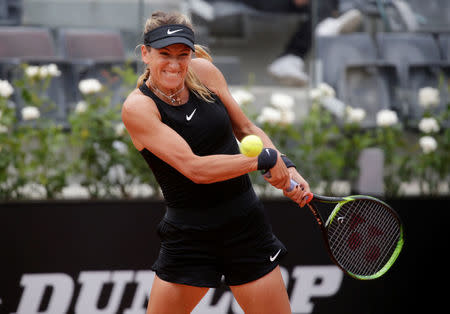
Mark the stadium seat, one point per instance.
(418, 64)
(408, 48)
(349, 63)
(230, 66)
(93, 53)
(433, 15)
(233, 19)
(369, 86)
(444, 45)
(20, 42)
(11, 12)
(91, 44)
(335, 53)
(34, 46)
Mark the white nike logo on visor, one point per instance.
(169, 32)
(189, 117)
(272, 258)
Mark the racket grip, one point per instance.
(308, 197)
(293, 183)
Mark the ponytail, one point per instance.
(193, 82)
(144, 76)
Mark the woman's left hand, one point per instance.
(279, 175)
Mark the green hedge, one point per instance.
(93, 150)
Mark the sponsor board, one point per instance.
(54, 293)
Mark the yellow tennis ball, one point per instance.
(251, 146)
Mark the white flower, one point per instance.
(3, 128)
(428, 125)
(355, 115)
(269, 115)
(428, 144)
(386, 118)
(43, 72)
(50, 70)
(32, 71)
(287, 117)
(30, 113)
(53, 70)
(282, 101)
(89, 86)
(429, 97)
(121, 147)
(243, 97)
(327, 90)
(323, 90)
(81, 107)
(6, 89)
(315, 94)
(119, 129)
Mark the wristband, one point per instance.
(267, 159)
(287, 161)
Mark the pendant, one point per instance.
(175, 101)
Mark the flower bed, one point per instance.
(93, 153)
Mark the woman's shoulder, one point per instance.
(137, 102)
(203, 67)
(208, 73)
(201, 62)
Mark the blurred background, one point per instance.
(364, 80)
(355, 92)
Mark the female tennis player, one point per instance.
(184, 121)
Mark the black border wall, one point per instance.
(94, 257)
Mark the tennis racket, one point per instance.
(363, 235)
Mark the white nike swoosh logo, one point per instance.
(189, 117)
(272, 258)
(169, 32)
(268, 152)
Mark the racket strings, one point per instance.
(357, 262)
(381, 250)
(363, 236)
(363, 261)
(340, 236)
(377, 247)
(387, 243)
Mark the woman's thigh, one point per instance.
(173, 298)
(265, 295)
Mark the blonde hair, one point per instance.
(193, 83)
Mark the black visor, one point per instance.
(166, 35)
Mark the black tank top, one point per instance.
(206, 127)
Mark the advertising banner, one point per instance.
(95, 258)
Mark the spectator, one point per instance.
(289, 67)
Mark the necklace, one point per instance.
(174, 100)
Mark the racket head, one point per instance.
(364, 235)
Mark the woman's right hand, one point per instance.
(299, 193)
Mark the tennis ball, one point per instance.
(251, 146)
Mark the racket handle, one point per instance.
(293, 183)
(308, 197)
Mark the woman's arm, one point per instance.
(242, 126)
(143, 122)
